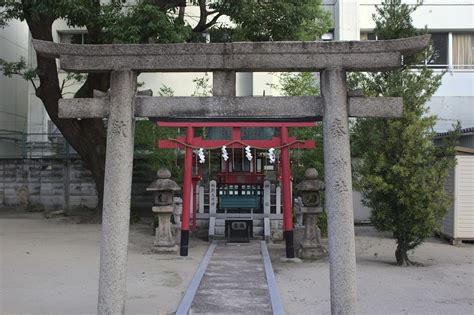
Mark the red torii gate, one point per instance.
(191, 142)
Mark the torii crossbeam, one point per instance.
(334, 107)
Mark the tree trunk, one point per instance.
(401, 254)
(86, 136)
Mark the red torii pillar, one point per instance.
(286, 183)
(187, 184)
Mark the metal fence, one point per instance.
(34, 145)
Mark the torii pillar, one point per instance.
(338, 181)
(117, 193)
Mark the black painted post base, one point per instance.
(290, 248)
(183, 249)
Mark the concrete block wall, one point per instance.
(49, 184)
(55, 184)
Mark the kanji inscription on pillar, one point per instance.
(119, 128)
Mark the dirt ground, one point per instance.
(50, 266)
(443, 285)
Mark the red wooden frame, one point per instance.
(234, 124)
(283, 141)
(206, 144)
(236, 141)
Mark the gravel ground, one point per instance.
(51, 267)
(443, 285)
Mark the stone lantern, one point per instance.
(163, 188)
(310, 188)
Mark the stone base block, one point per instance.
(311, 252)
(298, 235)
(176, 232)
(276, 236)
(165, 249)
(276, 231)
(184, 258)
(163, 243)
(290, 260)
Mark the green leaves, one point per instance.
(298, 84)
(20, 68)
(143, 23)
(146, 135)
(203, 86)
(10, 9)
(393, 20)
(279, 19)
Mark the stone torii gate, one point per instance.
(334, 107)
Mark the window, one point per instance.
(440, 56)
(256, 133)
(463, 50)
(74, 38)
(240, 164)
(368, 36)
(219, 133)
(328, 36)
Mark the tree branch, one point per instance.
(181, 12)
(213, 21)
(201, 26)
(34, 85)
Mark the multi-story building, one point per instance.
(451, 24)
(14, 96)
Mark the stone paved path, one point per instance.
(234, 282)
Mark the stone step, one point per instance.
(220, 231)
(221, 222)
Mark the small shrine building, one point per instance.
(237, 178)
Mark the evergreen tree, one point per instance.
(402, 174)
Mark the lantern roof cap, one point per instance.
(163, 182)
(311, 181)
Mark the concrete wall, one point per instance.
(361, 212)
(450, 109)
(346, 20)
(435, 14)
(14, 90)
(54, 184)
(453, 100)
(46, 183)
